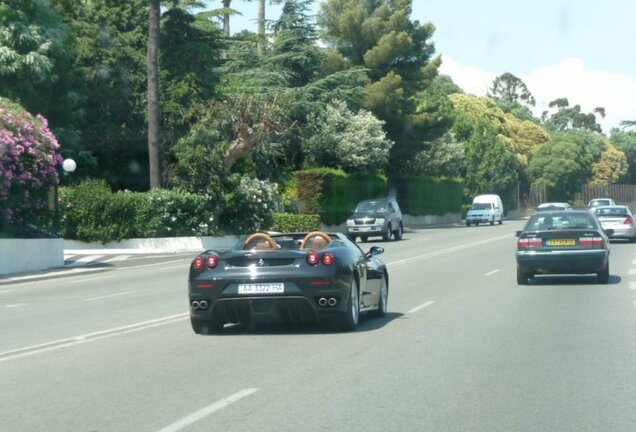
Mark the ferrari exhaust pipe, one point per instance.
(195, 305)
(322, 301)
(203, 304)
(332, 301)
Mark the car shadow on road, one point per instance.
(572, 280)
(366, 324)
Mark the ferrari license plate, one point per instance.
(562, 242)
(261, 288)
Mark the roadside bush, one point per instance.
(91, 212)
(424, 195)
(172, 213)
(289, 222)
(28, 161)
(249, 206)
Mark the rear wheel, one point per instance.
(397, 234)
(603, 275)
(350, 319)
(205, 327)
(632, 239)
(383, 301)
(387, 234)
(364, 238)
(500, 221)
(467, 224)
(522, 277)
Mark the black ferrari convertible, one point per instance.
(293, 277)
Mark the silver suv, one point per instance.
(376, 217)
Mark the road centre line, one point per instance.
(632, 285)
(490, 273)
(90, 337)
(420, 307)
(632, 272)
(210, 409)
(448, 250)
(109, 296)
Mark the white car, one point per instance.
(596, 202)
(554, 206)
(618, 218)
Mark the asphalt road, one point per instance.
(463, 348)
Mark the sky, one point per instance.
(579, 49)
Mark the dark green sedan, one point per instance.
(557, 242)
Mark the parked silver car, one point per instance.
(620, 219)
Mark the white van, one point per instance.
(485, 208)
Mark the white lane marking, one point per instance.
(208, 410)
(634, 261)
(449, 250)
(632, 285)
(90, 337)
(157, 264)
(490, 273)
(420, 307)
(109, 296)
(632, 272)
(68, 256)
(118, 258)
(47, 276)
(15, 305)
(84, 260)
(75, 281)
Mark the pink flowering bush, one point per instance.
(29, 156)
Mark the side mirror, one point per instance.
(518, 233)
(375, 250)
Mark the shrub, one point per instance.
(91, 212)
(249, 206)
(28, 161)
(288, 222)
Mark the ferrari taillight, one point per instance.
(592, 242)
(198, 263)
(312, 258)
(328, 259)
(209, 261)
(212, 261)
(526, 243)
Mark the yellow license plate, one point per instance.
(562, 242)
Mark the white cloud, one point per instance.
(569, 78)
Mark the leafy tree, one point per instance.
(398, 55)
(566, 162)
(339, 138)
(611, 166)
(444, 157)
(490, 164)
(511, 89)
(567, 117)
(36, 56)
(626, 142)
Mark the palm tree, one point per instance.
(154, 150)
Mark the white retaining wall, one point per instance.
(25, 255)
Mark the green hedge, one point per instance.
(333, 194)
(424, 195)
(90, 211)
(289, 222)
